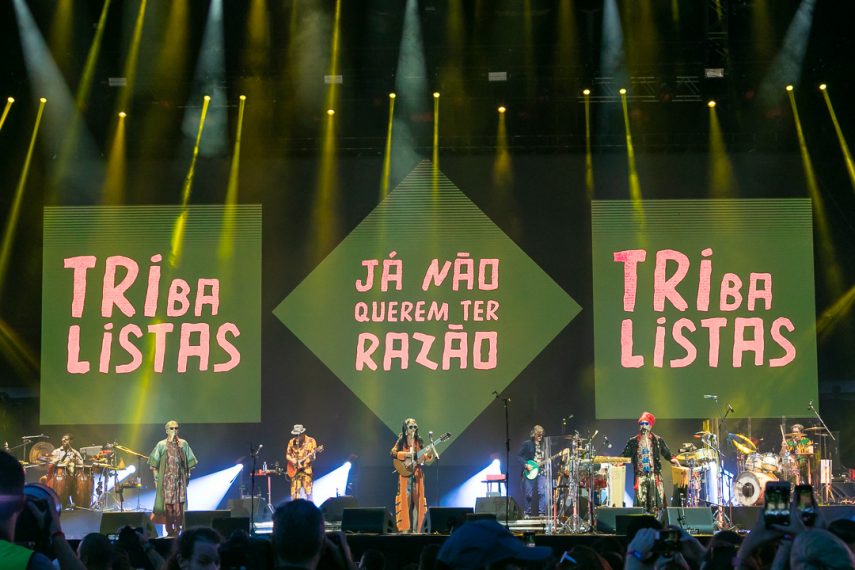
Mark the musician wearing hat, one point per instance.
(800, 447)
(409, 454)
(300, 454)
(531, 456)
(645, 450)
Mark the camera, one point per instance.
(806, 504)
(667, 541)
(776, 509)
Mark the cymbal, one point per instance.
(39, 451)
(700, 434)
(131, 451)
(742, 443)
(816, 428)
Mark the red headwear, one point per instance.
(647, 417)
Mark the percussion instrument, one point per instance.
(60, 480)
(702, 455)
(40, 452)
(742, 443)
(749, 487)
(763, 463)
(84, 484)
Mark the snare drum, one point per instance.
(763, 463)
(749, 487)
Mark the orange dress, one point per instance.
(411, 498)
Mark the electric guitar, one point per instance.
(536, 466)
(406, 466)
(300, 465)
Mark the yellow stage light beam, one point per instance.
(15, 210)
(387, 153)
(60, 33)
(642, 41)
(20, 356)
(125, 95)
(114, 184)
(325, 214)
(227, 235)
(88, 73)
(566, 54)
(254, 83)
(186, 190)
(435, 152)
(721, 181)
(589, 156)
(503, 175)
(332, 89)
(825, 242)
(451, 73)
(9, 102)
(844, 147)
(835, 314)
(634, 183)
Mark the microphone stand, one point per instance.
(721, 518)
(253, 453)
(826, 487)
(506, 402)
(436, 477)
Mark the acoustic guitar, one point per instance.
(301, 464)
(406, 466)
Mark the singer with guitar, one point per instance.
(300, 454)
(410, 451)
(531, 455)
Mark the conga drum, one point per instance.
(83, 486)
(60, 480)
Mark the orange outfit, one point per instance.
(411, 491)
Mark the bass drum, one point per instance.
(748, 488)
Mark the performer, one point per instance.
(533, 450)
(171, 461)
(410, 504)
(63, 464)
(644, 449)
(300, 454)
(801, 451)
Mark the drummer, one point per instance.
(68, 459)
(800, 446)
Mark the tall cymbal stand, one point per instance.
(723, 521)
(827, 494)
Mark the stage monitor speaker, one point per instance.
(497, 506)
(204, 518)
(607, 517)
(112, 522)
(375, 520)
(241, 507)
(227, 526)
(694, 520)
(445, 519)
(333, 507)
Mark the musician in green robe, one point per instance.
(171, 461)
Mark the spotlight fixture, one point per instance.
(122, 114)
(502, 109)
(586, 92)
(392, 95)
(42, 100)
(436, 94)
(330, 112)
(822, 87)
(711, 104)
(622, 91)
(207, 97)
(243, 97)
(789, 87)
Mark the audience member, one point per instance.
(43, 516)
(140, 551)
(844, 529)
(427, 558)
(372, 559)
(486, 544)
(241, 551)
(96, 552)
(298, 534)
(195, 549)
(818, 548)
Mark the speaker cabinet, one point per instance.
(445, 519)
(607, 518)
(333, 507)
(112, 522)
(241, 507)
(375, 520)
(497, 506)
(694, 520)
(204, 518)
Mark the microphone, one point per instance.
(260, 445)
(810, 405)
(608, 443)
(710, 397)
(430, 435)
(596, 431)
(730, 408)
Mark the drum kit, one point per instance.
(93, 484)
(794, 463)
(581, 481)
(690, 477)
